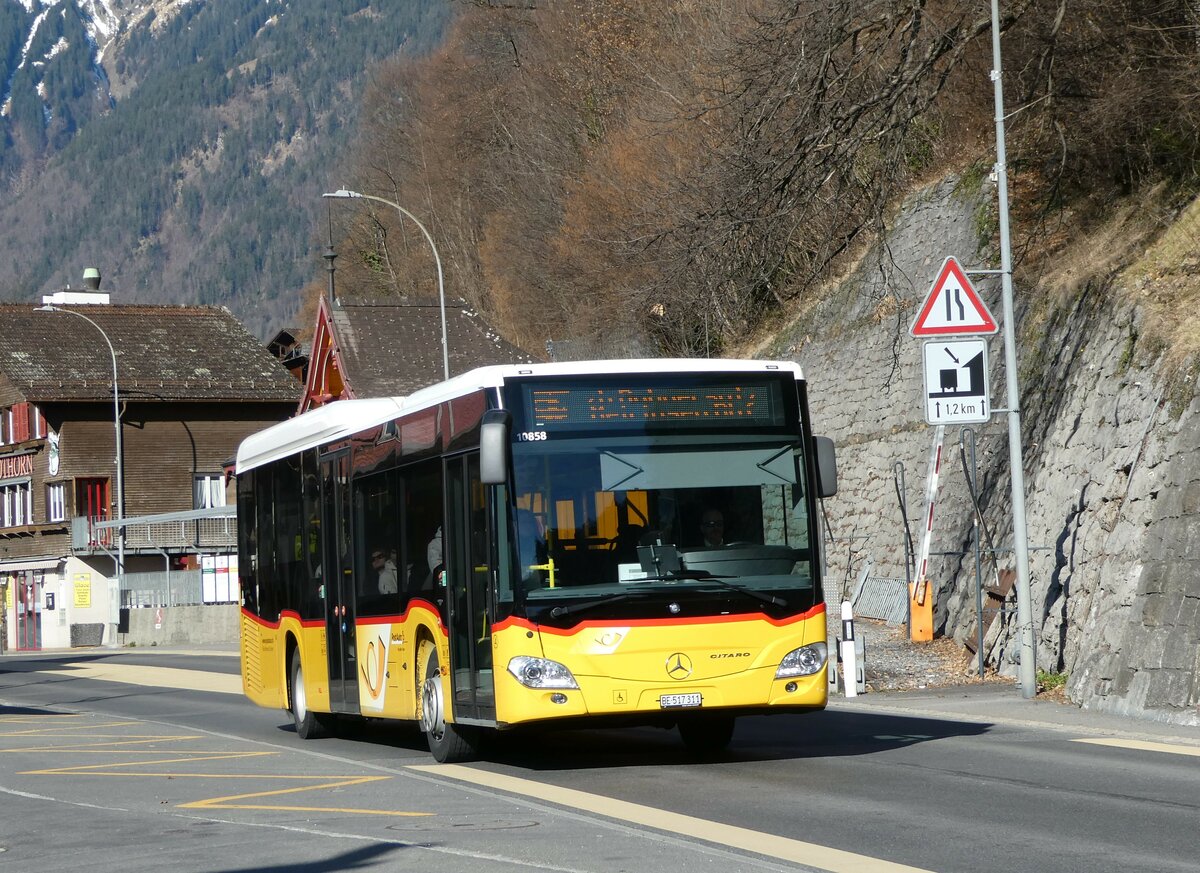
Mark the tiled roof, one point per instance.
(390, 348)
(189, 353)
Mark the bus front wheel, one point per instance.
(706, 734)
(448, 743)
(308, 723)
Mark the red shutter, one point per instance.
(20, 422)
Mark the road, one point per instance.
(130, 761)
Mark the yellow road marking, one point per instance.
(68, 733)
(34, 719)
(118, 744)
(155, 677)
(230, 801)
(796, 851)
(1144, 745)
(100, 769)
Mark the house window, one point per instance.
(56, 502)
(91, 502)
(91, 498)
(16, 504)
(20, 422)
(208, 491)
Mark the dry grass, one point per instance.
(1166, 282)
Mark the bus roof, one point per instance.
(344, 418)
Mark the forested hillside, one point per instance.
(666, 175)
(683, 172)
(201, 180)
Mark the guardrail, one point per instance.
(176, 588)
(212, 529)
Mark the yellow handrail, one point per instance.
(548, 566)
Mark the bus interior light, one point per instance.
(541, 673)
(804, 661)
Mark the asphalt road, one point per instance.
(152, 761)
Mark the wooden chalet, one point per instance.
(382, 348)
(192, 382)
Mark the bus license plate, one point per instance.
(674, 701)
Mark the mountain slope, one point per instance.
(182, 147)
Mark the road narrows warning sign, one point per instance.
(953, 308)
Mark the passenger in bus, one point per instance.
(712, 528)
(385, 570)
(433, 556)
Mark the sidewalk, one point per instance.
(82, 652)
(1002, 703)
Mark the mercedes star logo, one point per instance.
(679, 666)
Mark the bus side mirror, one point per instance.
(826, 466)
(493, 447)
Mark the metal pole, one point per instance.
(902, 493)
(343, 194)
(115, 600)
(1028, 653)
(971, 472)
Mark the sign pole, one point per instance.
(1027, 671)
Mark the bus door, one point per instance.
(337, 567)
(469, 582)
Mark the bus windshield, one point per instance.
(597, 517)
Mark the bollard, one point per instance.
(831, 666)
(849, 651)
(860, 665)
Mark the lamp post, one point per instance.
(343, 194)
(114, 602)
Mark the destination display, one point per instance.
(559, 405)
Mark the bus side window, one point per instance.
(422, 525)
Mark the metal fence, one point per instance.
(202, 529)
(881, 597)
(176, 588)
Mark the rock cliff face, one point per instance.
(1112, 469)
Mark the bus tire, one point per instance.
(308, 724)
(448, 743)
(706, 734)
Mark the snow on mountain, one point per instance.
(102, 20)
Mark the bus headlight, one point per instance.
(541, 673)
(803, 661)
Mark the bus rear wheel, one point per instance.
(308, 723)
(706, 734)
(448, 742)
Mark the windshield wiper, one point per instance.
(601, 599)
(760, 596)
(692, 576)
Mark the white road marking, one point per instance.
(425, 847)
(31, 796)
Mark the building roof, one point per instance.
(389, 348)
(163, 353)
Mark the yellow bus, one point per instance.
(564, 544)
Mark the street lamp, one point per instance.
(343, 194)
(119, 465)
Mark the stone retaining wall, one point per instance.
(183, 626)
(1112, 474)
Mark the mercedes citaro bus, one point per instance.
(527, 545)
